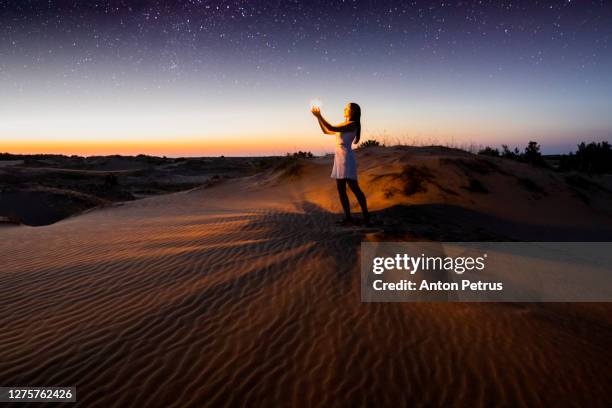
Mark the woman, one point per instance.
(345, 165)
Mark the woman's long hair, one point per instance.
(356, 117)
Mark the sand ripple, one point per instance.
(170, 302)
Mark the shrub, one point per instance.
(532, 154)
(301, 155)
(510, 154)
(370, 143)
(488, 151)
(590, 158)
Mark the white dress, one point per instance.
(345, 165)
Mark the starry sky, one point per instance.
(192, 78)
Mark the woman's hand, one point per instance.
(316, 111)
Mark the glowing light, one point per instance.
(316, 103)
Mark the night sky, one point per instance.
(236, 77)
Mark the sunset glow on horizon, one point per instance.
(238, 78)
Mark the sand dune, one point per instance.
(43, 189)
(245, 293)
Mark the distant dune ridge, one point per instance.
(43, 189)
(245, 292)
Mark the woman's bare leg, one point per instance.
(341, 184)
(361, 198)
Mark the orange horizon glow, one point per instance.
(175, 147)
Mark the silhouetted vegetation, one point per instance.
(301, 155)
(590, 158)
(370, 143)
(510, 154)
(151, 160)
(532, 155)
(10, 156)
(489, 151)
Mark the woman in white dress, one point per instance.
(345, 165)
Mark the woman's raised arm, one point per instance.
(331, 129)
(323, 128)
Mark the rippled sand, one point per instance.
(245, 294)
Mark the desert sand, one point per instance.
(245, 292)
(42, 189)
